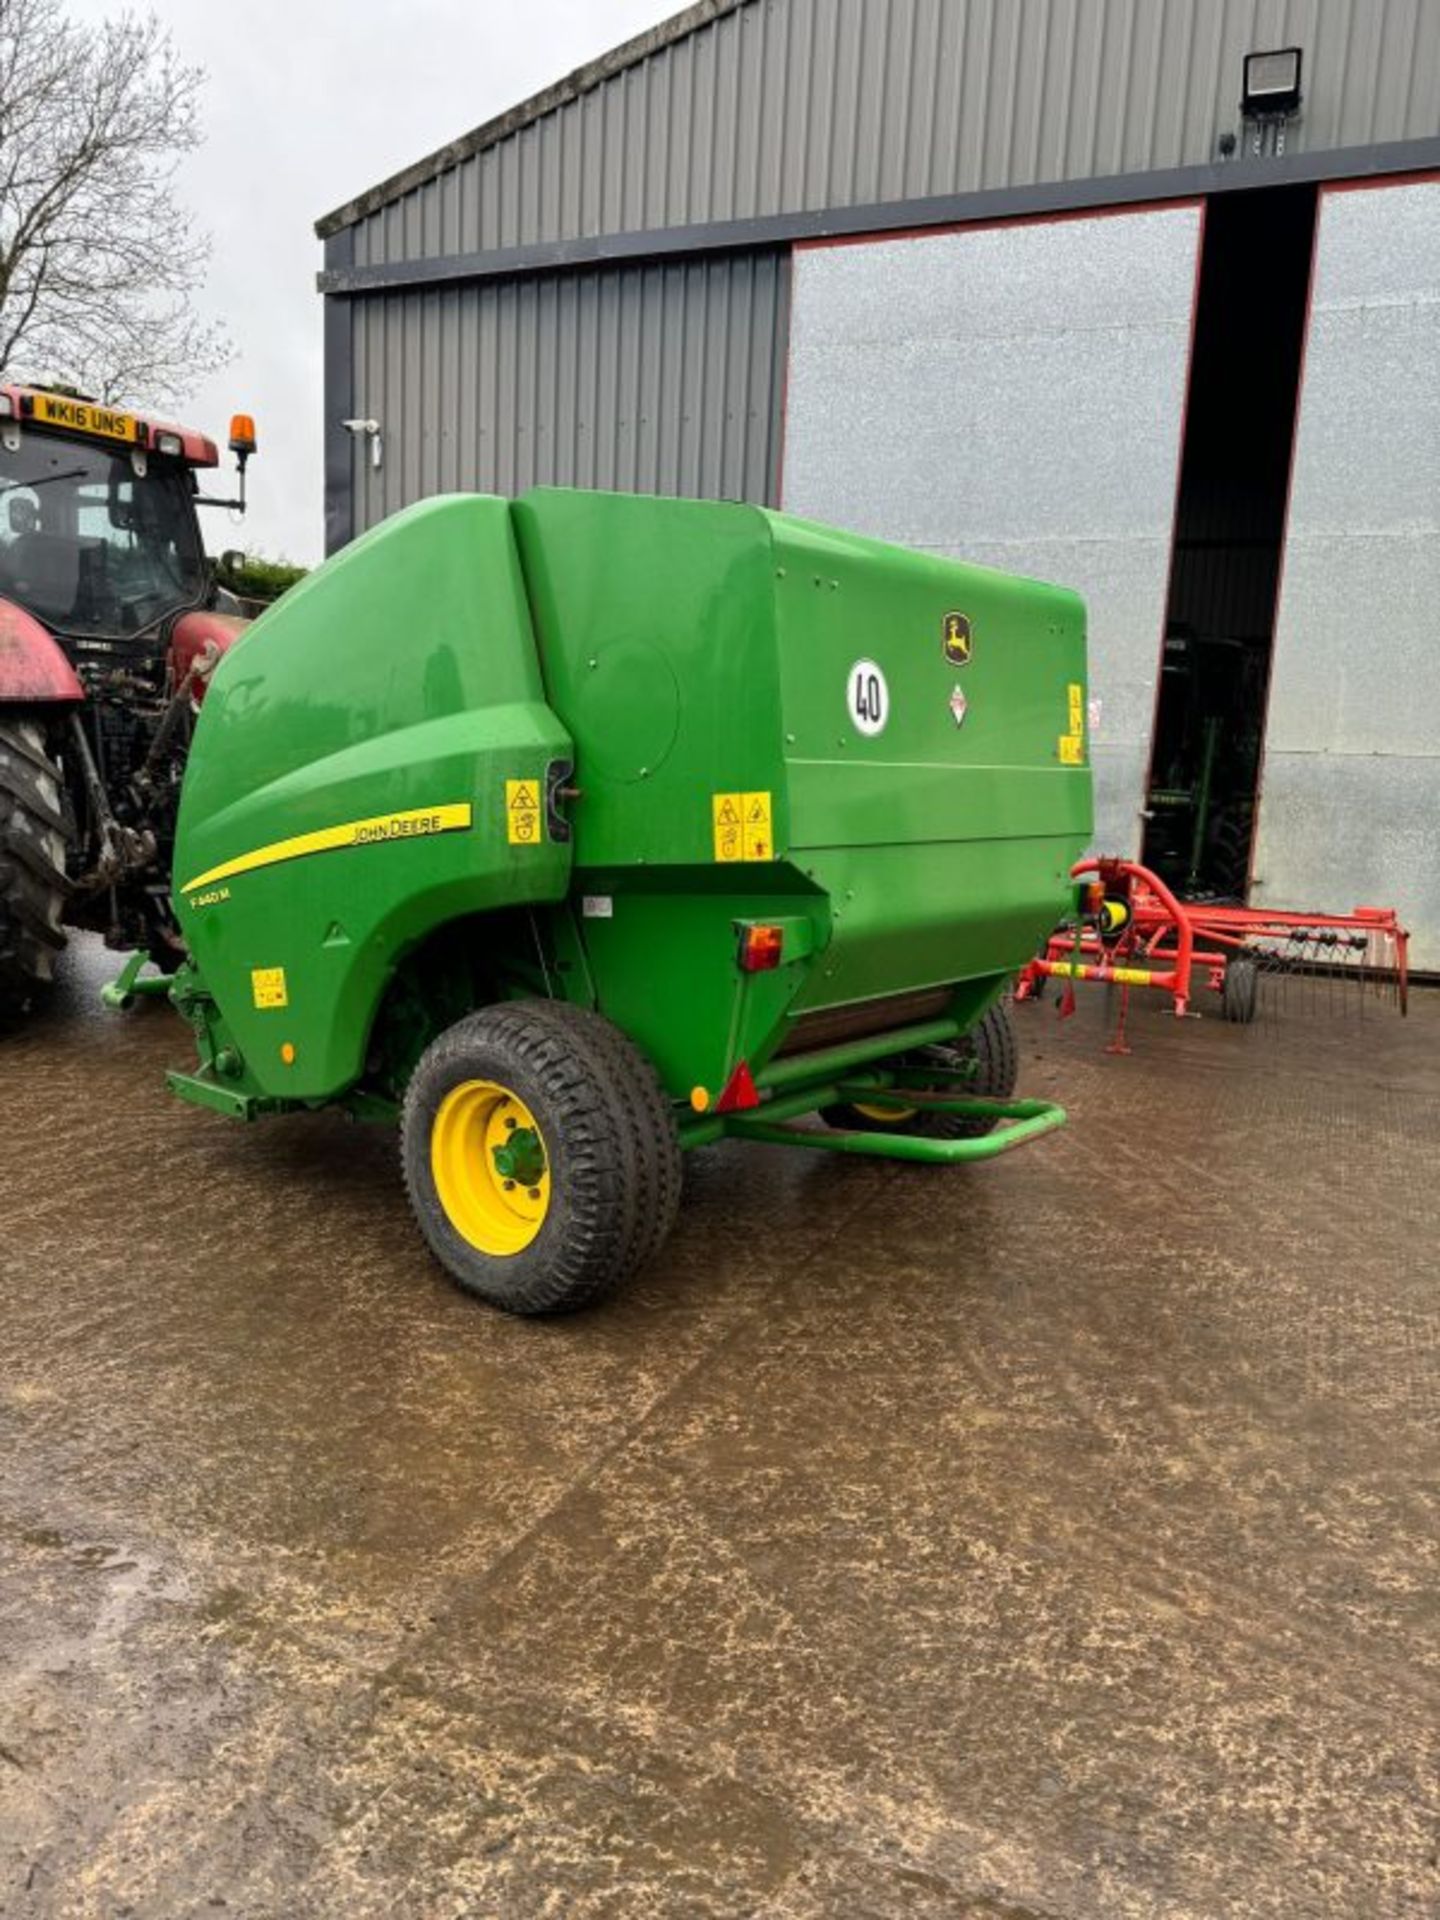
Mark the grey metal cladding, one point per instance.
(1012, 396)
(779, 105)
(1350, 790)
(658, 378)
(339, 448)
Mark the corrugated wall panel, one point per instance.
(1350, 791)
(788, 104)
(652, 378)
(922, 408)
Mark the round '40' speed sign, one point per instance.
(868, 697)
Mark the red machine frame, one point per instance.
(1161, 942)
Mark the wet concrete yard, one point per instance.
(1055, 1538)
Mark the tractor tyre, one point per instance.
(33, 889)
(1240, 994)
(164, 955)
(530, 1179)
(990, 1042)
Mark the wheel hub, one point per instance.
(522, 1158)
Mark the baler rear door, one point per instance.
(935, 742)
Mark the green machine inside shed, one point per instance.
(583, 828)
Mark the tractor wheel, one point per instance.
(164, 954)
(533, 1156)
(32, 866)
(990, 1042)
(1240, 994)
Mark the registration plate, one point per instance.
(83, 416)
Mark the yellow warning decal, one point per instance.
(759, 837)
(267, 984)
(414, 823)
(743, 826)
(728, 820)
(522, 813)
(1071, 745)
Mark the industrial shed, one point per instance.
(1138, 295)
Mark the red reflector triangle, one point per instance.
(740, 1091)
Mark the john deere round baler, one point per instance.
(581, 829)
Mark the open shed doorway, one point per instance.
(1229, 531)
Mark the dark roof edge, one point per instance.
(801, 226)
(583, 80)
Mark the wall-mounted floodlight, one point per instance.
(367, 430)
(1272, 83)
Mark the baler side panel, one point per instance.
(655, 624)
(945, 839)
(347, 792)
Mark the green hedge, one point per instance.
(252, 577)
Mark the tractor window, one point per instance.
(89, 546)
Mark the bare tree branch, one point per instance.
(98, 260)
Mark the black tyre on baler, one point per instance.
(647, 1129)
(540, 1155)
(33, 836)
(990, 1043)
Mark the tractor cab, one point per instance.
(99, 534)
(110, 625)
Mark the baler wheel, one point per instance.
(990, 1042)
(32, 866)
(647, 1123)
(524, 1177)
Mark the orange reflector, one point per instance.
(242, 433)
(700, 1098)
(760, 948)
(287, 1053)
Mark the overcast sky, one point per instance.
(309, 102)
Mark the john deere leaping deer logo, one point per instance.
(958, 639)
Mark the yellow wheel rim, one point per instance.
(490, 1167)
(887, 1116)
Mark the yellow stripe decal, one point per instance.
(1127, 976)
(379, 828)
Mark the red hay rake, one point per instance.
(1131, 931)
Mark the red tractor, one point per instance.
(111, 623)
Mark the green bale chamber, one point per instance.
(591, 739)
(881, 751)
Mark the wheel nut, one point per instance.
(510, 1122)
(534, 1193)
(509, 1186)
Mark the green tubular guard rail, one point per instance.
(1028, 1120)
(831, 1078)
